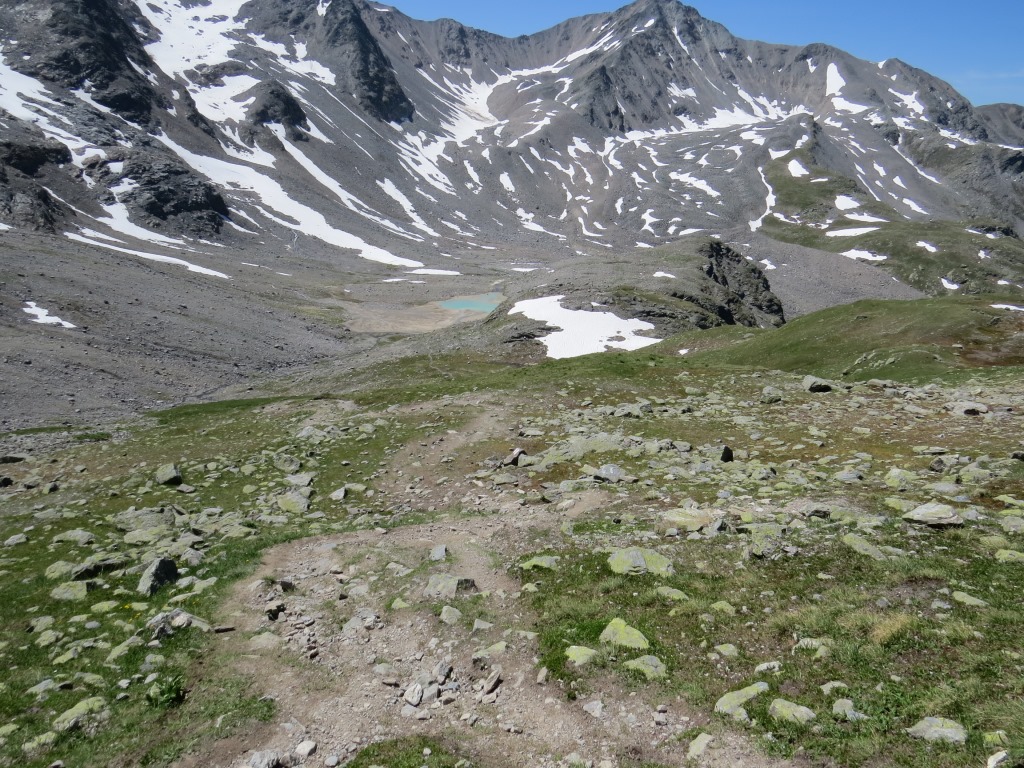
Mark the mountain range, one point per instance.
(209, 190)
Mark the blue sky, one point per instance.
(975, 46)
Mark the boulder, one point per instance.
(158, 573)
(814, 384)
(167, 474)
(935, 515)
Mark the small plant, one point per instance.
(166, 693)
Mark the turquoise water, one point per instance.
(485, 302)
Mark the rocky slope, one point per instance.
(401, 162)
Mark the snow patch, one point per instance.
(797, 170)
(1010, 307)
(43, 316)
(927, 246)
(582, 332)
(949, 285)
(863, 255)
(846, 203)
(851, 232)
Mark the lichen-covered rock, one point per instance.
(789, 712)
(862, 546)
(635, 561)
(80, 715)
(650, 667)
(939, 729)
(167, 474)
(580, 655)
(620, 634)
(731, 704)
(935, 515)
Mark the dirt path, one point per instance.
(343, 658)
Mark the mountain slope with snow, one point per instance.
(410, 160)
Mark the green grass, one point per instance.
(899, 664)
(408, 753)
(910, 341)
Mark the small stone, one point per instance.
(445, 586)
(413, 694)
(862, 546)
(728, 650)
(939, 729)
(965, 599)
(439, 553)
(843, 709)
(1010, 556)
(450, 616)
(594, 708)
(71, 591)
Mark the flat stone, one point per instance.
(862, 546)
(789, 712)
(71, 591)
(689, 520)
(445, 586)
(939, 729)
(731, 704)
(814, 384)
(964, 599)
(935, 515)
(621, 635)
(635, 561)
(77, 536)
